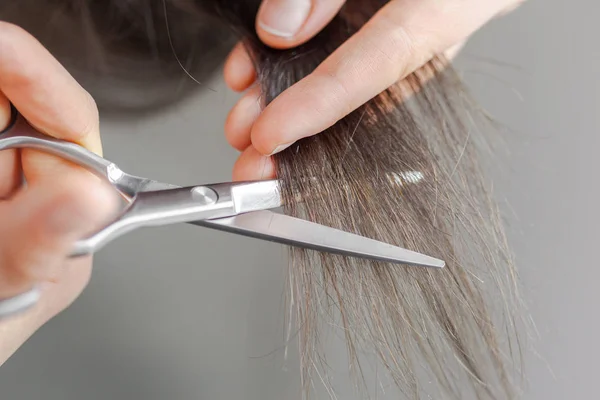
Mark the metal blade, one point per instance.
(255, 196)
(136, 184)
(284, 229)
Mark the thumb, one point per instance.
(41, 223)
(288, 23)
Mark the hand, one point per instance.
(61, 203)
(400, 38)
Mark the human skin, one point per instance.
(399, 39)
(61, 203)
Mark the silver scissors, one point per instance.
(238, 207)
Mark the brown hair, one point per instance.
(404, 168)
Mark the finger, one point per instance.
(47, 96)
(41, 223)
(401, 37)
(43, 91)
(241, 118)
(239, 72)
(511, 7)
(287, 23)
(453, 51)
(251, 165)
(9, 162)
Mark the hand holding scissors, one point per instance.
(60, 203)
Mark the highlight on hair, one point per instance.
(406, 168)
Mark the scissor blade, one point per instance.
(284, 229)
(255, 196)
(137, 184)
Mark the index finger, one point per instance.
(43, 91)
(400, 38)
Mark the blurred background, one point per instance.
(187, 313)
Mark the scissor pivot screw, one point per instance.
(204, 195)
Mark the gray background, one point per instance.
(187, 313)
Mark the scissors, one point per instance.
(243, 208)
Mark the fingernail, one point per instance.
(281, 147)
(284, 18)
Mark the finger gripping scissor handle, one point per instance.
(20, 134)
(19, 303)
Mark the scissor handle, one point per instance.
(20, 134)
(15, 305)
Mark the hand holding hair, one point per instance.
(400, 38)
(39, 223)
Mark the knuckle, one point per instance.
(332, 96)
(402, 50)
(340, 94)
